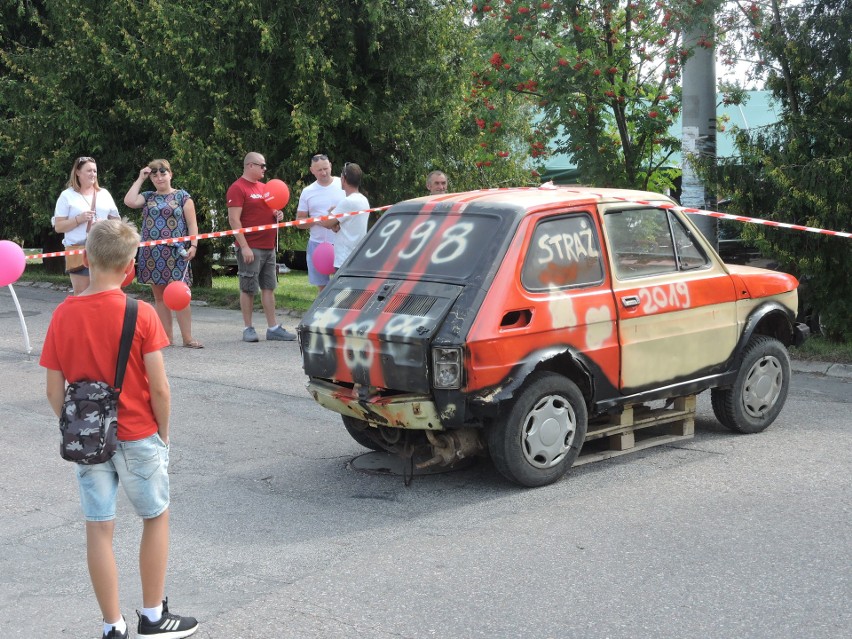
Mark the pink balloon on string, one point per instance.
(12, 262)
(323, 257)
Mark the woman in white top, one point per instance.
(75, 213)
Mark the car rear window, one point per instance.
(445, 246)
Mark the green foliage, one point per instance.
(800, 171)
(201, 82)
(605, 76)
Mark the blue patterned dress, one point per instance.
(162, 217)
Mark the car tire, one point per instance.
(538, 440)
(760, 390)
(356, 429)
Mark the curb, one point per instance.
(842, 371)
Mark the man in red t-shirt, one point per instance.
(255, 250)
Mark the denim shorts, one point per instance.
(314, 276)
(260, 272)
(142, 467)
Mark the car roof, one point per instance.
(529, 199)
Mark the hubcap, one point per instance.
(549, 431)
(762, 386)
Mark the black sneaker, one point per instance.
(169, 626)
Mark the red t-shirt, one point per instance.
(83, 340)
(249, 195)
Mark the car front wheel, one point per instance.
(537, 441)
(760, 390)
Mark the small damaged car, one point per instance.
(501, 321)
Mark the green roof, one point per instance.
(759, 110)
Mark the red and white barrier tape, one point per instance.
(310, 220)
(204, 236)
(722, 216)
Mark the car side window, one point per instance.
(689, 253)
(564, 252)
(650, 242)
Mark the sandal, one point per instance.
(193, 344)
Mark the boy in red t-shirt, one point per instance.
(82, 342)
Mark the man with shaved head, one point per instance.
(255, 251)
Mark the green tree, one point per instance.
(604, 74)
(800, 170)
(380, 82)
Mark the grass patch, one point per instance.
(293, 292)
(818, 348)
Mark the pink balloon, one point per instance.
(12, 262)
(276, 195)
(323, 257)
(177, 295)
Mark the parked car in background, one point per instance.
(503, 320)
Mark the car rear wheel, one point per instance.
(357, 429)
(760, 390)
(537, 441)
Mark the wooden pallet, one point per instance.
(638, 427)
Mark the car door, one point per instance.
(550, 295)
(676, 302)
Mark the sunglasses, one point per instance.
(83, 160)
(260, 164)
(161, 171)
(319, 157)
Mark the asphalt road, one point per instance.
(274, 535)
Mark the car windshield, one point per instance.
(446, 246)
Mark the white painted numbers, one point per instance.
(656, 299)
(453, 241)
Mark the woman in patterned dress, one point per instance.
(166, 212)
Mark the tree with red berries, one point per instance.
(604, 76)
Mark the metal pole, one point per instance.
(699, 127)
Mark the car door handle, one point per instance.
(630, 301)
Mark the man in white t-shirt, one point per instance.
(352, 228)
(318, 199)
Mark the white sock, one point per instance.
(119, 625)
(272, 328)
(154, 613)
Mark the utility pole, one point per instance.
(699, 127)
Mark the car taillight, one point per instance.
(446, 367)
